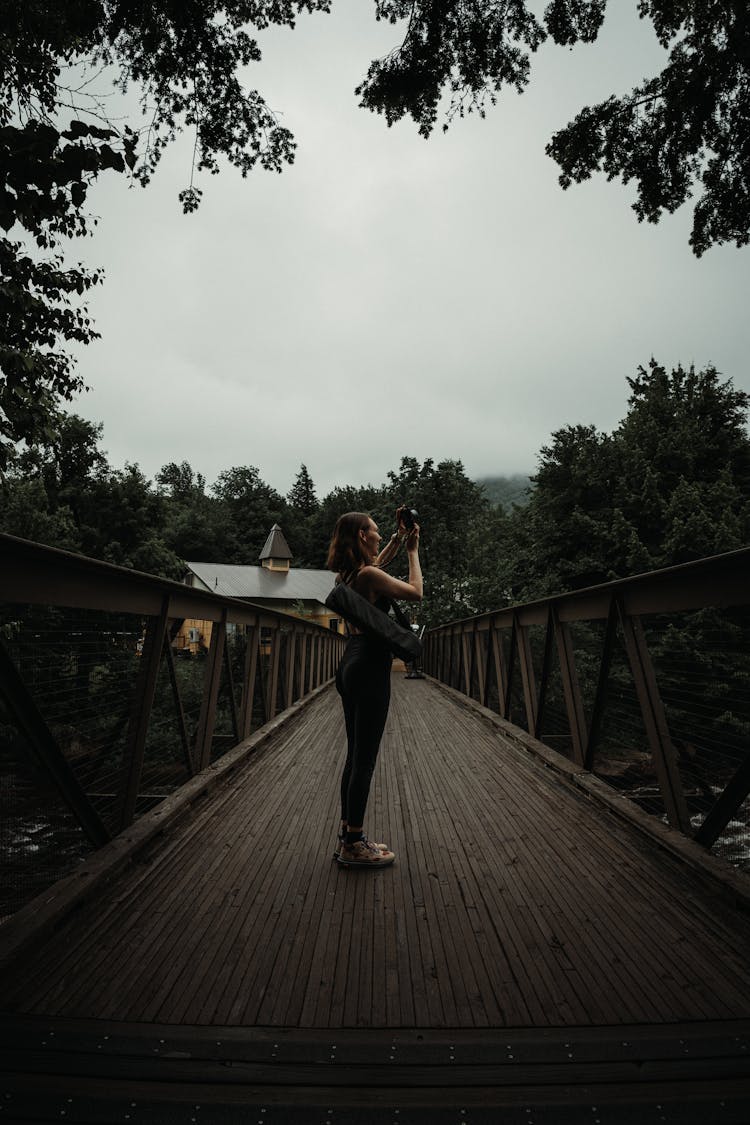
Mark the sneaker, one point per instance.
(364, 853)
(340, 843)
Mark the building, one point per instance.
(275, 584)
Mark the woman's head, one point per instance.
(355, 543)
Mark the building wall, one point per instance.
(194, 636)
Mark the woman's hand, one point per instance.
(412, 538)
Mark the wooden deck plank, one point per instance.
(530, 952)
(516, 834)
(449, 969)
(100, 1071)
(627, 928)
(104, 918)
(455, 928)
(190, 947)
(295, 881)
(439, 1000)
(515, 901)
(546, 881)
(414, 1007)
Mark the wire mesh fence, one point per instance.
(690, 677)
(80, 669)
(702, 662)
(40, 838)
(105, 712)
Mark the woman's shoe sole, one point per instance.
(365, 863)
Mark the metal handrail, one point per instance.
(482, 657)
(300, 656)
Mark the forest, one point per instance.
(669, 484)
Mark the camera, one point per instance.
(408, 517)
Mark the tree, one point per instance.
(346, 498)
(302, 504)
(685, 460)
(53, 476)
(184, 60)
(45, 174)
(67, 460)
(122, 521)
(302, 496)
(571, 511)
(195, 525)
(680, 133)
(451, 509)
(670, 484)
(64, 492)
(25, 510)
(250, 508)
(179, 482)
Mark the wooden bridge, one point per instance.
(543, 950)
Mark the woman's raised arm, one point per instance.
(371, 579)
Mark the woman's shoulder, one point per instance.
(368, 571)
(367, 578)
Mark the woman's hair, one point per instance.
(345, 554)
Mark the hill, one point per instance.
(503, 492)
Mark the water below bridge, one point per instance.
(531, 951)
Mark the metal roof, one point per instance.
(276, 546)
(259, 582)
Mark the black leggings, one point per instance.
(363, 681)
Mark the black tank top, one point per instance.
(382, 602)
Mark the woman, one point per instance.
(364, 674)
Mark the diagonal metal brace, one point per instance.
(47, 749)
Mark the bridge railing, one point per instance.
(117, 687)
(643, 681)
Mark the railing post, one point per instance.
(252, 635)
(182, 725)
(311, 685)
(207, 719)
(511, 669)
(283, 671)
(655, 720)
(230, 687)
(527, 675)
(479, 664)
(319, 661)
(135, 744)
(466, 661)
(597, 711)
(273, 670)
(571, 687)
(476, 664)
(501, 678)
(484, 666)
(302, 650)
(290, 665)
(546, 668)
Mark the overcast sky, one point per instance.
(388, 295)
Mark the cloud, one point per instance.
(387, 295)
